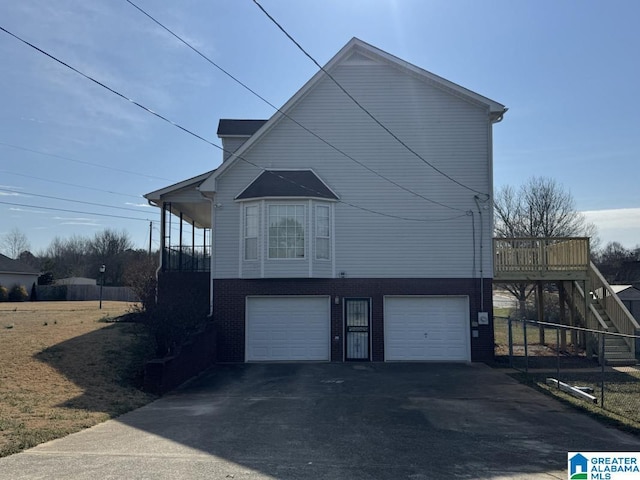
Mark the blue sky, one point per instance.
(568, 71)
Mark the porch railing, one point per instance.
(540, 257)
(186, 259)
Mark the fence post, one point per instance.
(526, 349)
(602, 351)
(558, 357)
(510, 333)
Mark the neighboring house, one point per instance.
(14, 272)
(630, 296)
(343, 244)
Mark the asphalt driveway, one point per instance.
(332, 421)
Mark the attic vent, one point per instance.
(359, 59)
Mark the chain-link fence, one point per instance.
(597, 367)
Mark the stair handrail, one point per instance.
(592, 310)
(617, 312)
(595, 313)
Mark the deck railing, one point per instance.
(186, 259)
(617, 312)
(540, 257)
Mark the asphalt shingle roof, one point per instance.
(287, 183)
(244, 128)
(14, 266)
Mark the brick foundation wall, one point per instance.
(176, 288)
(229, 308)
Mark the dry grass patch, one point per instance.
(65, 366)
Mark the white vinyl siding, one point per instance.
(447, 131)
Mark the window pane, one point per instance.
(286, 231)
(251, 232)
(323, 232)
(251, 249)
(322, 248)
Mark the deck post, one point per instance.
(563, 318)
(572, 320)
(540, 302)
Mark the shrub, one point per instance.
(171, 325)
(140, 276)
(4, 294)
(18, 293)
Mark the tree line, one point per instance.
(79, 256)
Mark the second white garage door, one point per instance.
(426, 328)
(287, 328)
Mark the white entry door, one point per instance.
(287, 328)
(426, 328)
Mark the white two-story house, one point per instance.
(345, 228)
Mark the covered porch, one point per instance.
(185, 226)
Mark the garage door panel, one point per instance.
(287, 328)
(426, 328)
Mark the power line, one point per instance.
(83, 162)
(186, 130)
(384, 127)
(249, 89)
(73, 211)
(139, 197)
(23, 192)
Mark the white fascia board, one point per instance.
(156, 195)
(432, 78)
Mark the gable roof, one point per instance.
(8, 265)
(238, 128)
(287, 183)
(359, 51)
(194, 182)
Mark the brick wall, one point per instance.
(229, 308)
(180, 287)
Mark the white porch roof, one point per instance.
(185, 198)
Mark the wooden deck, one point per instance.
(540, 259)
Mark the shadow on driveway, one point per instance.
(333, 421)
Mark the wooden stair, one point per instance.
(616, 351)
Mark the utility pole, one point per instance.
(150, 233)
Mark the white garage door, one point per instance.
(426, 328)
(287, 328)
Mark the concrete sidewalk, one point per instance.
(331, 421)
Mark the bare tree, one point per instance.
(613, 261)
(540, 208)
(14, 243)
(110, 248)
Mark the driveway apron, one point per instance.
(332, 421)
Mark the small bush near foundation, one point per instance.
(18, 293)
(170, 325)
(4, 294)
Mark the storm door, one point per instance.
(356, 319)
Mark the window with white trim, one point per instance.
(323, 232)
(286, 231)
(251, 232)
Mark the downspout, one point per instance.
(476, 198)
(161, 253)
(211, 255)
